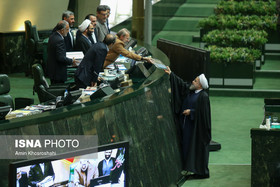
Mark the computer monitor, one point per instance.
(65, 169)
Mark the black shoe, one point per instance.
(196, 176)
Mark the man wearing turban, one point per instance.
(191, 108)
(83, 42)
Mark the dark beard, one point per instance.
(89, 33)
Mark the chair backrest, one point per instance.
(35, 34)
(28, 29)
(29, 40)
(5, 98)
(40, 84)
(39, 77)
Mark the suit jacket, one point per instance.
(83, 43)
(95, 33)
(69, 42)
(36, 175)
(23, 181)
(101, 31)
(67, 39)
(57, 61)
(107, 24)
(92, 63)
(117, 49)
(83, 178)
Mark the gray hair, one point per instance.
(123, 32)
(61, 25)
(66, 14)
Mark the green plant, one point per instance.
(246, 8)
(236, 38)
(233, 55)
(239, 22)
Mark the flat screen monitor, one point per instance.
(98, 166)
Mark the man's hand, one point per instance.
(147, 59)
(75, 62)
(187, 112)
(93, 84)
(100, 79)
(168, 71)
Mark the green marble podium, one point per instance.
(265, 167)
(140, 114)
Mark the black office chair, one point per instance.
(42, 88)
(6, 99)
(33, 44)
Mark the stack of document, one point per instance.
(78, 55)
(120, 66)
(21, 113)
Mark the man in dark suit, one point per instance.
(57, 61)
(69, 38)
(22, 180)
(39, 172)
(93, 20)
(92, 63)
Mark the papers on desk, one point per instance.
(122, 59)
(120, 66)
(29, 110)
(75, 54)
(89, 90)
(78, 55)
(21, 113)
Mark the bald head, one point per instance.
(62, 27)
(109, 39)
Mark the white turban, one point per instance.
(203, 81)
(84, 25)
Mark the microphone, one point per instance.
(116, 67)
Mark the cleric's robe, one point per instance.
(195, 147)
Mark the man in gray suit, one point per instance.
(101, 27)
